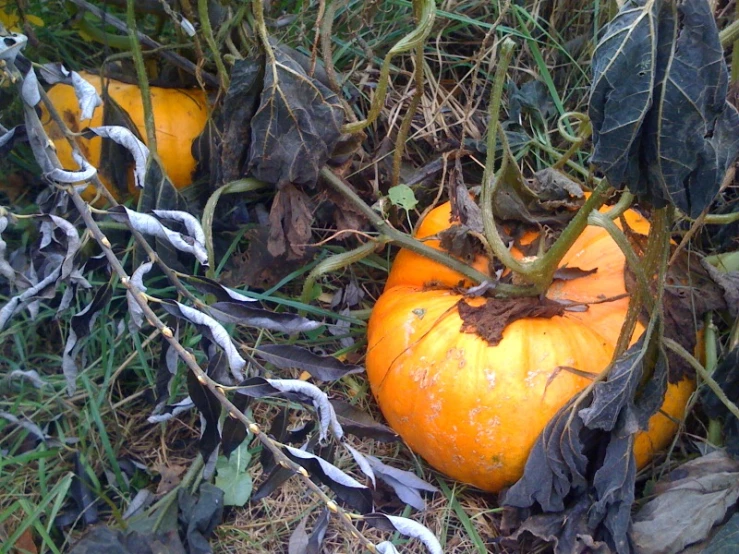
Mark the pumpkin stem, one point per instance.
(598, 219)
(389, 234)
(541, 271)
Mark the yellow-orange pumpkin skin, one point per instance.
(180, 116)
(472, 410)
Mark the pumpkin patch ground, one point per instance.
(391, 277)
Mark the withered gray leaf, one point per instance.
(221, 292)
(160, 193)
(302, 543)
(567, 468)
(212, 330)
(296, 126)
(128, 140)
(11, 47)
(406, 485)
(614, 404)
(360, 423)
(406, 527)
(689, 502)
(9, 137)
(556, 466)
(137, 285)
(300, 391)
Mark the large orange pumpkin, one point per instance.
(472, 410)
(180, 116)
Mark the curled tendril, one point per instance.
(584, 128)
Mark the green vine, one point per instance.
(143, 80)
(426, 13)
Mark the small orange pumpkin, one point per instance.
(472, 410)
(180, 116)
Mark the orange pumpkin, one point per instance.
(180, 116)
(472, 410)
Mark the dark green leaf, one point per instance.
(661, 124)
(614, 492)
(234, 430)
(614, 400)
(691, 133)
(113, 541)
(726, 540)
(239, 106)
(81, 326)
(81, 491)
(278, 474)
(200, 515)
(532, 99)
(207, 403)
(621, 93)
